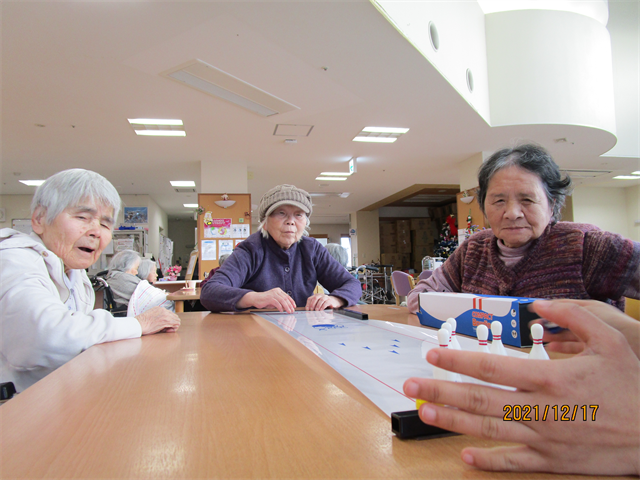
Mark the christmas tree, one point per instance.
(448, 238)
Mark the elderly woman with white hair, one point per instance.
(46, 298)
(123, 275)
(148, 271)
(279, 266)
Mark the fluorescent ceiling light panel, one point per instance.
(635, 173)
(32, 183)
(385, 130)
(375, 139)
(336, 174)
(183, 183)
(154, 121)
(332, 179)
(162, 133)
(190, 205)
(627, 177)
(215, 82)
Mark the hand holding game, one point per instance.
(322, 302)
(567, 342)
(274, 298)
(604, 378)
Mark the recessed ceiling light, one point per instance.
(32, 183)
(332, 179)
(385, 130)
(336, 174)
(154, 121)
(635, 173)
(190, 205)
(162, 133)
(627, 177)
(182, 183)
(375, 139)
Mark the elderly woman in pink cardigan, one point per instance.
(528, 252)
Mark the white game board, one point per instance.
(375, 356)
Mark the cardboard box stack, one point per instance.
(404, 243)
(422, 238)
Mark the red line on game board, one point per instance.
(355, 366)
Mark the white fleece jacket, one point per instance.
(38, 332)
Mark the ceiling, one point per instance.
(74, 72)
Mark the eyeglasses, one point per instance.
(282, 215)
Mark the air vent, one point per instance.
(184, 190)
(215, 82)
(585, 173)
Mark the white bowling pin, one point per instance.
(482, 332)
(537, 351)
(450, 330)
(496, 345)
(454, 344)
(439, 373)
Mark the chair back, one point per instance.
(402, 284)
(425, 274)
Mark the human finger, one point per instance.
(510, 371)
(472, 398)
(500, 459)
(480, 426)
(288, 303)
(311, 302)
(322, 302)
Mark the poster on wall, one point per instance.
(226, 247)
(208, 250)
(216, 227)
(135, 215)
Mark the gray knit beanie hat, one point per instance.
(284, 195)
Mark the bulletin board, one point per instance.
(221, 229)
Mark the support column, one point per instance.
(366, 244)
(228, 176)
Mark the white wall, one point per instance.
(16, 206)
(335, 231)
(605, 207)
(632, 194)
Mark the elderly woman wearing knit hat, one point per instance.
(279, 266)
(528, 252)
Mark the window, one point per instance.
(345, 241)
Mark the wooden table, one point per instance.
(228, 397)
(172, 286)
(181, 295)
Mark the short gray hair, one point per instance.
(223, 258)
(146, 267)
(339, 253)
(123, 261)
(265, 234)
(534, 159)
(68, 188)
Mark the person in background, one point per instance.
(148, 271)
(145, 295)
(279, 266)
(123, 275)
(339, 253)
(46, 298)
(528, 252)
(602, 383)
(221, 260)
